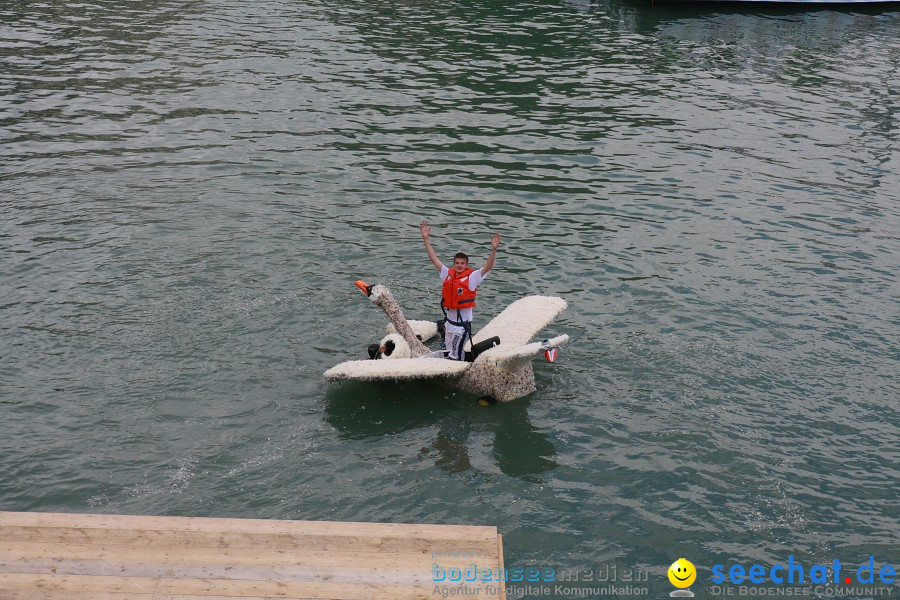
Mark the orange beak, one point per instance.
(365, 287)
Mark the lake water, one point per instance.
(189, 189)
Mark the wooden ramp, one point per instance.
(110, 557)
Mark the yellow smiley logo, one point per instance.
(682, 573)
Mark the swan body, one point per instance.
(503, 372)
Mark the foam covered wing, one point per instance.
(424, 330)
(398, 369)
(515, 357)
(522, 320)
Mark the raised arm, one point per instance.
(425, 228)
(495, 241)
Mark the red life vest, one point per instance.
(456, 292)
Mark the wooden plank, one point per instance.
(227, 539)
(501, 584)
(66, 584)
(52, 595)
(262, 556)
(55, 556)
(303, 573)
(215, 525)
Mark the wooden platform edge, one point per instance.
(502, 565)
(62, 556)
(246, 525)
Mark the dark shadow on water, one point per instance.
(364, 410)
(644, 16)
(830, 18)
(519, 447)
(361, 411)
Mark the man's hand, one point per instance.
(425, 228)
(495, 241)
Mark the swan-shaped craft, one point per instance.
(503, 372)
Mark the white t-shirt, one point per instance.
(475, 278)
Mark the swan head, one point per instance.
(364, 287)
(376, 293)
(394, 346)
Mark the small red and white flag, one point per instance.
(550, 354)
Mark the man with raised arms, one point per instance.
(460, 285)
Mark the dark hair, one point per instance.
(375, 350)
(461, 255)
